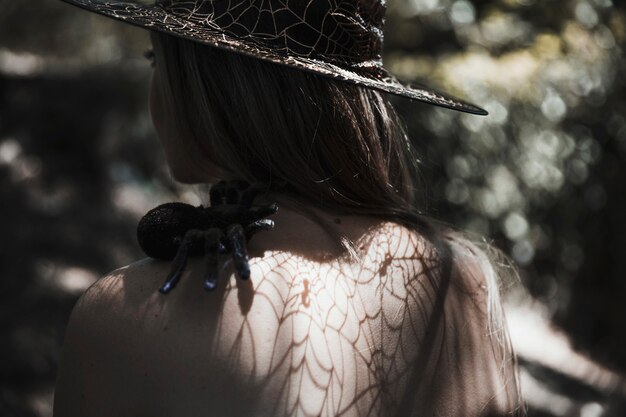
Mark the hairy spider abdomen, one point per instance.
(159, 232)
(175, 231)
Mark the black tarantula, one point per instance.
(177, 231)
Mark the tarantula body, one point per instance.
(162, 229)
(175, 231)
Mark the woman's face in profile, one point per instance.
(187, 164)
(163, 122)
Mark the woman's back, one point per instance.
(388, 324)
(317, 330)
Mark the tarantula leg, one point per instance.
(237, 241)
(258, 226)
(212, 247)
(180, 261)
(263, 211)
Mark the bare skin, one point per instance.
(314, 332)
(318, 330)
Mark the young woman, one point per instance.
(356, 304)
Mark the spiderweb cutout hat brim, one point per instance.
(155, 17)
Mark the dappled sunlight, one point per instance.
(542, 177)
(542, 174)
(545, 350)
(389, 331)
(70, 280)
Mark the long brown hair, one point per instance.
(338, 147)
(335, 146)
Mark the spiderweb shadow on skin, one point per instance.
(317, 337)
(360, 341)
(340, 325)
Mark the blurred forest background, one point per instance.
(543, 177)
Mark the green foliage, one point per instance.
(543, 175)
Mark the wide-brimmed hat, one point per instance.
(340, 39)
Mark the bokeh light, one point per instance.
(543, 176)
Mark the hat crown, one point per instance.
(345, 32)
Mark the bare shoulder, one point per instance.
(127, 300)
(113, 296)
(100, 329)
(477, 356)
(125, 338)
